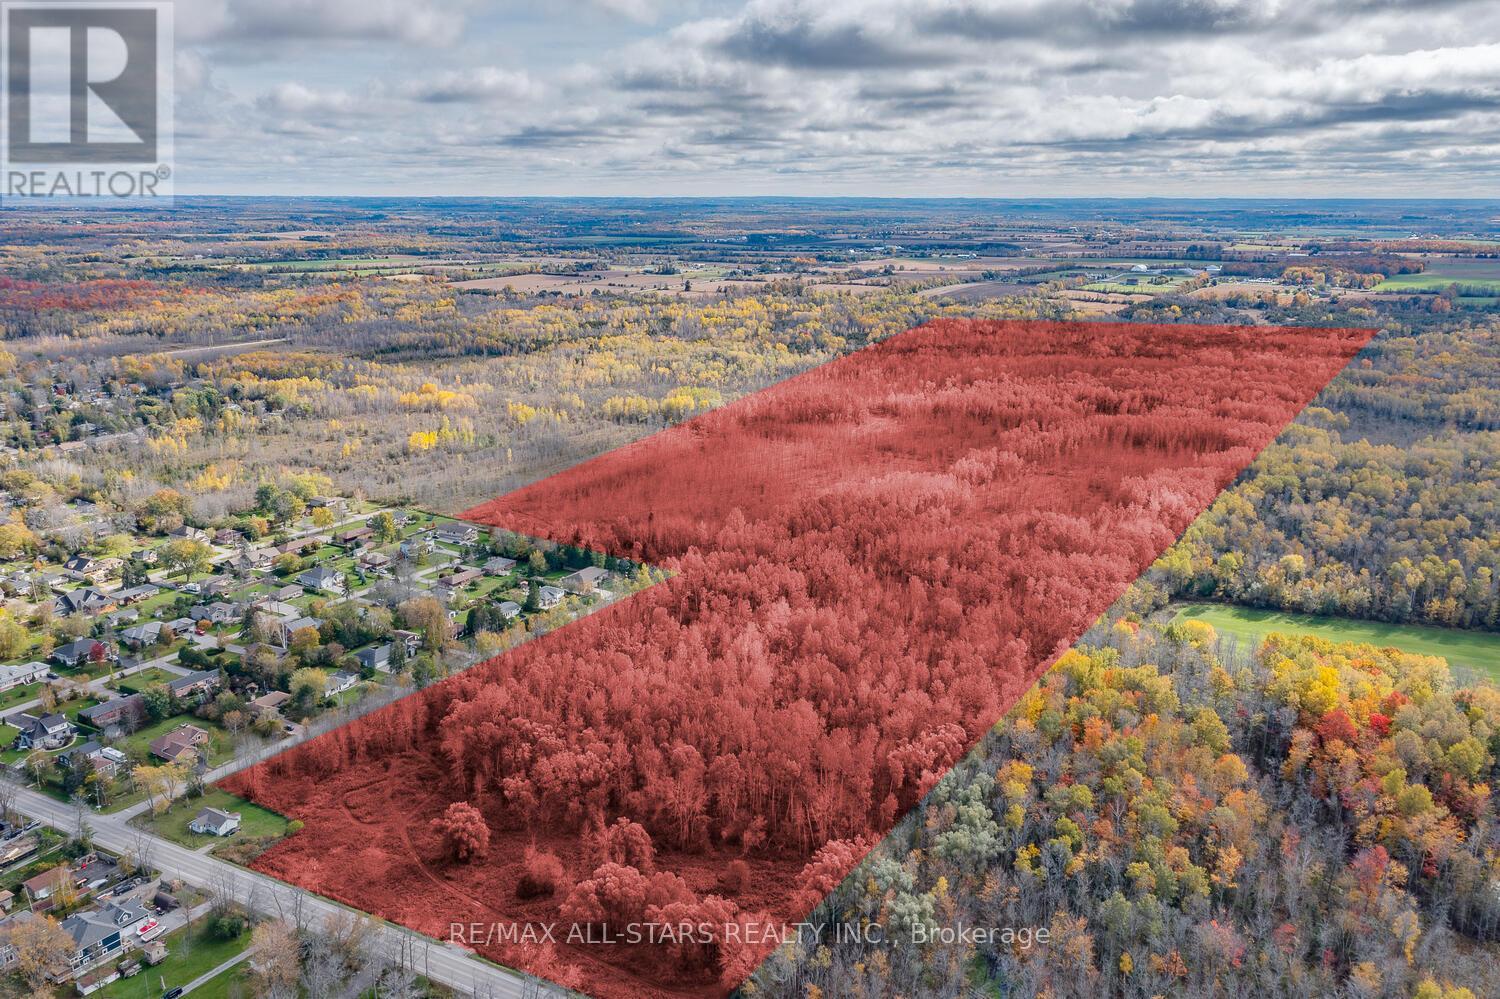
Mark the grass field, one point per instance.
(182, 965)
(1474, 650)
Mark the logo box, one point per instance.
(87, 100)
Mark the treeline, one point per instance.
(1308, 819)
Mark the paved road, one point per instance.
(444, 963)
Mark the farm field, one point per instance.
(1474, 650)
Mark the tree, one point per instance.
(275, 967)
(384, 526)
(307, 688)
(465, 832)
(42, 946)
(428, 616)
(14, 638)
(533, 596)
(187, 556)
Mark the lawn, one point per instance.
(1475, 650)
(255, 822)
(19, 695)
(223, 985)
(181, 966)
(141, 740)
(145, 678)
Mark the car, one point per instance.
(52, 676)
(173, 993)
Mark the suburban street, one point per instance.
(440, 962)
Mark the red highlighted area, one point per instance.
(872, 562)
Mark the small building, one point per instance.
(105, 760)
(46, 884)
(270, 704)
(84, 650)
(50, 731)
(339, 682)
(459, 578)
(183, 744)
(126, 712)
(85, 601)
(355, 537)
(141, 635)
(197, 684)
(215, 822)
(585, 580)
(373, 561)
(457, 533)
(377, 657)
(136, 593)
(499, 566)
(19, 674)
(323, 579)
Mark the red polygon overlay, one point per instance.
(872, 562)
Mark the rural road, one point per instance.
(443, 963)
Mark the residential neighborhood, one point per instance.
(145, 661)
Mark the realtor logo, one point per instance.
(87, 85)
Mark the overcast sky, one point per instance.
(997, 98)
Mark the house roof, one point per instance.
(274, 699)
(192, 680)
(215, 818)
(47, 879)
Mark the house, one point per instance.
(288, 592)
(323, 579)
(585, 580)
(253, 560)
(376, 657)
(104, 759)
(549, 597)
(270, 704)
(499, 566)
(8, 952)
(334, 503)
(186, 533)
(339, 682)
(228, 537)
(297, 546)
(7, 899)
(136, 593)
(216, 586)
(417, 544)
(218, 612)
(99, 933)
(51, 731)
(17, 674)
(183, 744)
(120, 712)
(372, 561)
(141, 635)
(95, 570)
(281, 630)
(121, 618)
(85, 601)
(84, 649)
(355, 536)
(215, 822)
(456, 533)
(146, 556)
(509, 608)
(46, 884)
(198, 684)
(459, 578)
(410, 639)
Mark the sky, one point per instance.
(889, 98)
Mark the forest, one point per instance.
(1382, 502)
(830, 642)
(1301, 819)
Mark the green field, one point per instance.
(1475, 650)
(183, 964)
(255, 822)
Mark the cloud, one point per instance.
(873, 96)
